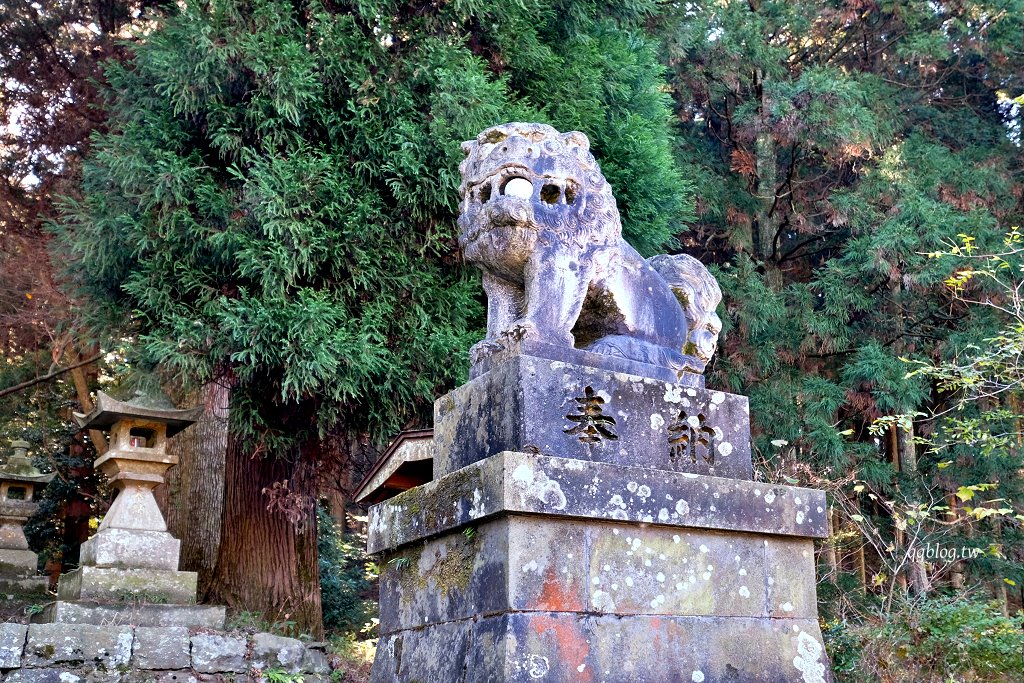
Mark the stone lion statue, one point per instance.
(539, 219)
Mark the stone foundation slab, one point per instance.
(191, 616)
(578, 648)
(537, 484)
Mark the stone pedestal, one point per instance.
(520, 564)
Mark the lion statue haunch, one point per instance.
(539, 219)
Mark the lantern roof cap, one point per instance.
(153, 406)
(20, 468)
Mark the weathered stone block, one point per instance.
(790, 564)
(190, 616)
(533, 404)
(163, 647)
(436, 654)
(516, 553)
(28, 586)
(271, 651)
(17, 563)
(42, 676)
(638, 570)
(213, 653)
(315, 661)
(575, 648)
(520, 563)
(132, 548)
(12, 643)
(118, 585)
(50, 644)
(536, 484)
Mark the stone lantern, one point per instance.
(131, 563)
(19, 482)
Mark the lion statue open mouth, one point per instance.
(539, 219)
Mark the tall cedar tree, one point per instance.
(834, 145)
(273, 209)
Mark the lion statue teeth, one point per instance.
(539, 219)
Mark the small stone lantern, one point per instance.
(131, 564)
(19, 481)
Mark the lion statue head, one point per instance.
(524, 183)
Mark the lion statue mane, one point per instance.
(539, 219)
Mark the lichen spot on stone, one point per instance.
(657, 422)
(603, 601)
(478, 505)
(725, 448)
(717, 398)
(769, 497)
(673, 393)
(523, 473)
(703, 548)
(744, 592)
(800, 517)
(537, 666)
(697, 677)
(807, 659)
(787, 607)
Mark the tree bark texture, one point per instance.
(267, 563)
(196, 484)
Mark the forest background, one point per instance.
(251, 205)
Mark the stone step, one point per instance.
(189, 616)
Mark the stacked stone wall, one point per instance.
(83, 653)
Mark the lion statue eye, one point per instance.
(518, 187)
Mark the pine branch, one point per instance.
(43, 378)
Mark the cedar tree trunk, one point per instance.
(196, 485)
(267, 562)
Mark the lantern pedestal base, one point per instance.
(132, 548)
(31, 585)
(18, 573)
(119, 585)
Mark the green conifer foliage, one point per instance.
(274, 203)
(833, 146)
